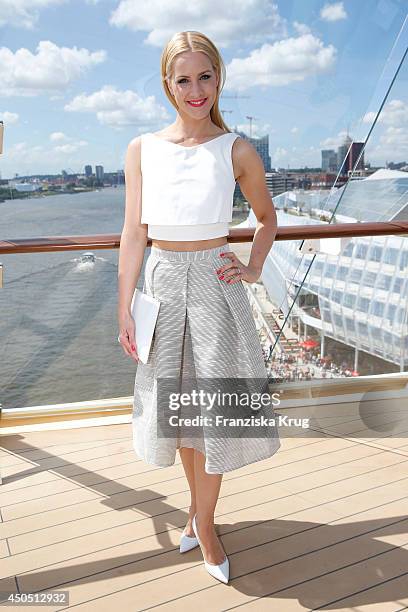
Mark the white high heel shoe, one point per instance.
(187, 542)
(221, 571)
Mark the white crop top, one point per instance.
(187, 192)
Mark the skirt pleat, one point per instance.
(205, 330)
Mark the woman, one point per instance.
(205, 327)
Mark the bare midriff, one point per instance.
(189, 245)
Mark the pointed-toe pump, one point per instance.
(221, 571)
(187, 542)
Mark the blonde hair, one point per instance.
(191, 40)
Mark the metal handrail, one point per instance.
(289, 232)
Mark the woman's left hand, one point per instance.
(235, 271)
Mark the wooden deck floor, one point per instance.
(321, 525)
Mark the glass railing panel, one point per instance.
(339, 310)
(59, 329)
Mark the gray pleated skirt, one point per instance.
(205, 330)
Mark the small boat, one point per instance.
(88, 257)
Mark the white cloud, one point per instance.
(27, 158)
(118, 108)
(334, 141)
(8, 118)
(250, 21)
(70, 147)
(286, 61)
(301, 28)
(389, 139)
(50, 69)
(294, 130)
(295, 157)
(394, 113)
(23, 13)
(280, 155)
(395, 140)
(69, 144)
(392, 143)
(56, 136)
(369, 117)
(258, 130)
(333, 12)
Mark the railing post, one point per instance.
(1, 287)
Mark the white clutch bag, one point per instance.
(144, 309)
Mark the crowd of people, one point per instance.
(298, 363)
(305, 365)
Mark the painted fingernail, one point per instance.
(221, 254)
(222, 276)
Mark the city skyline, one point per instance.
(81, 79)
(347, 160)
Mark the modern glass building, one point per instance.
(352, 290)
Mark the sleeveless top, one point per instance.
(187, 192)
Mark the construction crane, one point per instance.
(234, 96)
(69, 171)
(250, 117)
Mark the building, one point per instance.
(25, 186)
(347, 156)
(326, 180)
(357, 295)
(88, 171)
(278, 183)
(329, 160)
(99, 173)
(120, 177)
(262, 147)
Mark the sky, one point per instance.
(79, 79)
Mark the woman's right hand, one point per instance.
(127, 335)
